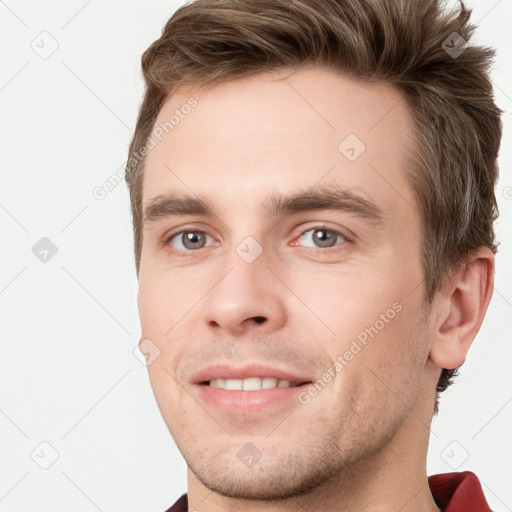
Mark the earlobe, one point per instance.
(461, 307)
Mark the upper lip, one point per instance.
(224, 371)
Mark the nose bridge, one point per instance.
(245, 295)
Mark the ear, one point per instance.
(461, 307)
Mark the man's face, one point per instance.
(296, 289)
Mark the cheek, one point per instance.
(159, 312)
(390, 366)
(350, 300)
(378, 337)
(161, 302)
(379, 385)
(164, 303)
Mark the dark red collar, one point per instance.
(458, 492)
(453, 492)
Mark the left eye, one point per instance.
(189, 240)
(321, 237)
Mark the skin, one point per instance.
(361, 443)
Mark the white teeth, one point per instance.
(250, 384)
(234, 384)
(268, 382)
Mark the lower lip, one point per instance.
(237, 402)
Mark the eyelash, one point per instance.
(321, 227)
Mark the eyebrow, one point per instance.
(325, 198)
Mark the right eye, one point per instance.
(188, 241)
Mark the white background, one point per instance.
(68, 375)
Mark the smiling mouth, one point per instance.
(252, 383)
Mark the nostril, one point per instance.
(259, 319)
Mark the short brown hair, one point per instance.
(404, 43)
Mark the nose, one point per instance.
(248, 297)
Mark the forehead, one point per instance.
(280, 131)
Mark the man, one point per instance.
(312, 188)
